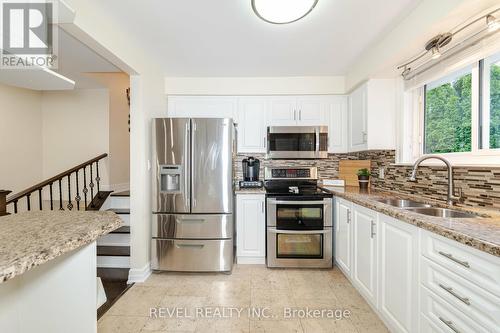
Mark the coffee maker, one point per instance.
(251, 169)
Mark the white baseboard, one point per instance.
(113, 262)
(251, 260)
(139, 275)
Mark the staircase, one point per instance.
(113, 251)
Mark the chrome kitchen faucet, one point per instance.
(452, 198)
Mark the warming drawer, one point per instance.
(192, 226)
(192, 255)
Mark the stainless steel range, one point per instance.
(298, 219)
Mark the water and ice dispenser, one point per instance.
(170, 178)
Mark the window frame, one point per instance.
(478, 155)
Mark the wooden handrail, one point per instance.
(3, 202)
(34, 188)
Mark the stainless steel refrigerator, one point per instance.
(192, 194)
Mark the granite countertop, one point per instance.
(482, 233)
(238, 190)
(31, 239)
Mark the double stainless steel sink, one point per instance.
(426, 209)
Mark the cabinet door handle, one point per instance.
(265, 142)
(372, 229)
(348, 216)
(300, 114)
(451, 257)
(262, 206)
(450, 290)
(449, 323)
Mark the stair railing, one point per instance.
(57, 181)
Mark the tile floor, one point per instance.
(253, 287)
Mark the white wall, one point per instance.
(20, 138)
(75, 129)
(320, 85)
(119, 135)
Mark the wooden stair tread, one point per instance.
(114, 251)
(113, 274)
(122, 230)
(119, 210)
(121, 194)
(98, 200)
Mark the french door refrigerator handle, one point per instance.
(187, 189)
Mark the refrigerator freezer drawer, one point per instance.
(192, 255)
(192, 226)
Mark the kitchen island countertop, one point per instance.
(32, 238)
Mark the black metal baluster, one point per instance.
(85, 190)
(77, 198)
(70, 205)
(40, 198)
(97, 179)
(60, 196)
(51, 200)
(15, 207)
(91, 184)
(28, 201)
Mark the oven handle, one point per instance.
(299, 232)
(282, 202)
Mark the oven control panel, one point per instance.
(291, 173)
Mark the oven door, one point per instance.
(299, 214)
(299, 248)
(303, 142)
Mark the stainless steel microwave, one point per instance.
(297, 142)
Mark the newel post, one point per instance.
(3, 202)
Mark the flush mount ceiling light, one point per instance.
(282, 11)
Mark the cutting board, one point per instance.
(348, 170)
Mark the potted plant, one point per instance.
(364, 178)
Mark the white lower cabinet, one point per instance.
(343, 235)
(250, 229)
(364, 224)
(398, 274)
(415, 280)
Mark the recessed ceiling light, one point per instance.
(282, 11)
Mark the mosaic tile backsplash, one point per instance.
(480, 186)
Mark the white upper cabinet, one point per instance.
(202, 106)
(252, 129)
(298, 110)
(337, 111)
(357, 120)
(311, 110)
(372, 116)
(282, 111)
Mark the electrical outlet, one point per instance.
(381, 173)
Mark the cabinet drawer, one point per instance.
(192, 255)
(482, 306)
(192, 226)
(476, 266)
(439, 316)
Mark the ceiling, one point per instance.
(225, 38)
(75, 59)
